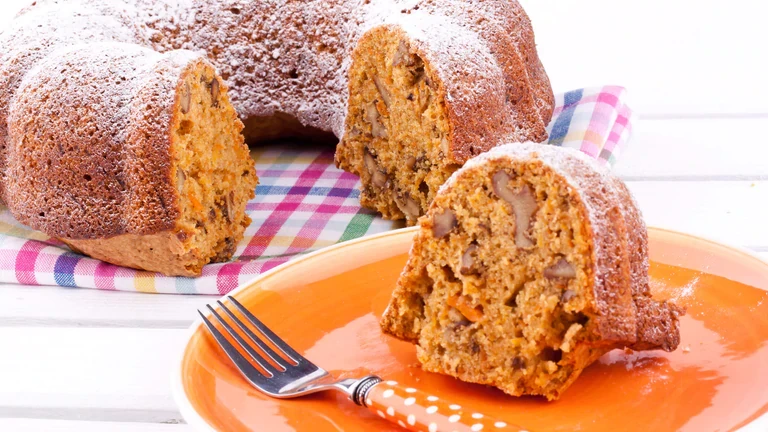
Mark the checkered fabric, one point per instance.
(302, 204)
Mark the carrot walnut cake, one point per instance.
(530, 264)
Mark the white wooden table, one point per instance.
(84, 360)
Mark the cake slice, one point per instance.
(530, 264)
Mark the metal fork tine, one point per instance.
(249, 372)
(279, 343)
(287, 379)
(255, 339)
(243, 344)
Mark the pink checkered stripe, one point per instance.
(303, 204)
(599, 124)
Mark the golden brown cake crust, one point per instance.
(98, 165)
(620, 272)
(161, 252)
(612, 274)
(629, 315)
(657, 324)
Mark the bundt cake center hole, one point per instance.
(285, 129)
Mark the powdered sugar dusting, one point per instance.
(296, 61)
(649, 364)
(683, 294)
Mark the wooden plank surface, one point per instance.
(38, 425)
(53, 306)
(94, 374)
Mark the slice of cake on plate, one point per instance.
(531, 263)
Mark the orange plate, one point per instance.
(327, 305)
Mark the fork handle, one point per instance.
(419, 411)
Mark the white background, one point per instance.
(697, 73)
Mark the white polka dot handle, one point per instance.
(419, 411)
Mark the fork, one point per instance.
(287, 374)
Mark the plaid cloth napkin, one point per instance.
(302, 204)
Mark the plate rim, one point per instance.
(198, 423)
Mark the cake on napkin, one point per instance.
(143, 164)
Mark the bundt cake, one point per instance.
(530, 264)
(118, 136)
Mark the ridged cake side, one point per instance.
(36, 33)
(112, 142)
